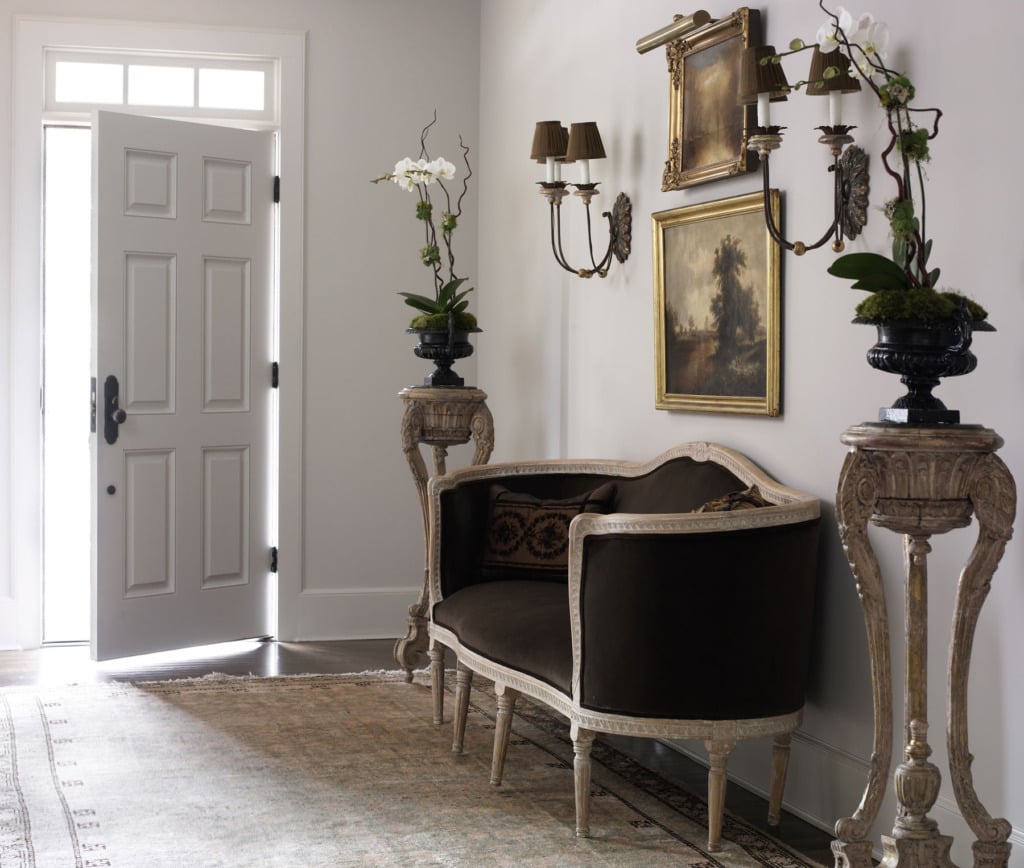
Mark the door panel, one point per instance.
(226, 335)
(183, 264)
(149, 523)
(226, 511)
(150, 298)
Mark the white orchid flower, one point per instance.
(828, 34)
(868, 40)
(871, 39)
(405, 182)
(875, 40)
(441, 169)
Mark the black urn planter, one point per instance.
(443, 347)
(922, 353)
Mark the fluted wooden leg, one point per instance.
(718, 753)
(780, 764)
(582, 742)
(502, 729)
(436, 653)
(463, 683)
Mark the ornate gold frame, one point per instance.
(682, 168)
(684, 239)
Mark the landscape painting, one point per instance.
(717, 307)
(707, 126)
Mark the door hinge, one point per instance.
(273, 559)
(92, 404)
(275, 375)
(277, 188)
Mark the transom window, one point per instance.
(177, 86)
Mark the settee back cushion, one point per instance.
(681, 485)
(677, 486)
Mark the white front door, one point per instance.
(183, 250)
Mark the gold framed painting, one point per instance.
(718, 331)
(707, 127)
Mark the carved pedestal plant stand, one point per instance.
(920, 481)
(437, 418)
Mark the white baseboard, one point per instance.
(358, 613)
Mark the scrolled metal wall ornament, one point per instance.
(854, 214)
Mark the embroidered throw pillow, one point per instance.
(528, 537)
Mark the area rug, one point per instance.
(320, 770)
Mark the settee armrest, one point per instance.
(700, 616)
(458, 508)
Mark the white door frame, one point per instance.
(20, 300)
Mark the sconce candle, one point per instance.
(835, 108)
(764, 109)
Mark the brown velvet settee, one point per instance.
(595, 588)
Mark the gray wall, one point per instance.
(569, 363)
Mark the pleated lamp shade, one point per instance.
(550, 139)
(818, 85)
(757, 77)
(564, 159)
(584, 142)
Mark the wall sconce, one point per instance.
(764, 83)
(555, 146)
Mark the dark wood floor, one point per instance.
(70, 664)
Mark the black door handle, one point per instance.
(113, 415)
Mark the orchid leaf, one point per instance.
(420, 302)
(444, 296)
(933, 277)
(871, 271)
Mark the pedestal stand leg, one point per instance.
(855, 500)
(994, 497)
(412, 646)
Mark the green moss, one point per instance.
(922, 304)
(463, 320)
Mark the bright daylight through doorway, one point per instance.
(66, 393)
